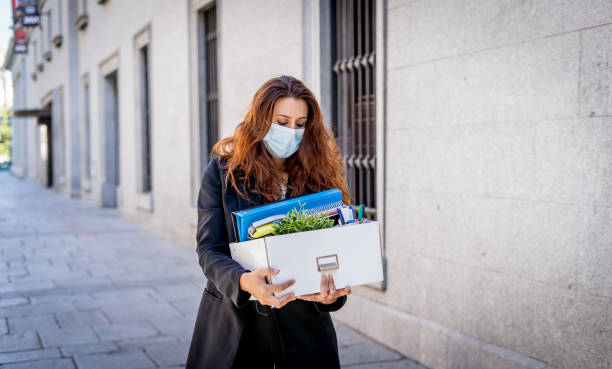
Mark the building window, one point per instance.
(46, 54)
(145, 119)
(207, 83)
(82, 18)
(57, 39)
(86, 133)
(354, 95)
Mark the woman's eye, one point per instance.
(301, 125)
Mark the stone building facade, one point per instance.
(493, 160)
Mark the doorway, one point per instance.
(46, 149)
(111, 182)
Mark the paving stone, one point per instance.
(42, 364)
(166, 354)
(67, 336)
(72, 319)
(144, 342)
(347, 336)
(133, 359)
(13, 357)
(13, 272)
(180, 327)
(367, 352)
(395, 364)
(89, 348)
(14, 302)
(19, 341)
(37, 309)
(109, 332)
(130, 311)
(32, 323)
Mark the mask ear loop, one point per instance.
(257, 308)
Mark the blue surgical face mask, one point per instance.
(282, 142)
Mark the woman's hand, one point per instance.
(255, 283)
(328, 294)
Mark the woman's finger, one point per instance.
(311, 297)
(331, 285)
(279, 302)
(343, 291)
(281, 286)
(324, 289)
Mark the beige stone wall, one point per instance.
(499, 186)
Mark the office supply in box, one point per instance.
(313, 203)
(351, 253)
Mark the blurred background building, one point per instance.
(479, 133)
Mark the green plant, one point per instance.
(300, 221)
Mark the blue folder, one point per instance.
(313, 203)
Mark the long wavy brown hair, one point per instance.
(316, 166)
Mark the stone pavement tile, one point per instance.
(347, 335)
(13, 272)
(177, 291)
(13, 301)
(14, 357)
(188, 306)
(136, 311)
(67, 336)
(180, 327)
(32, 323)
(42, 364)
(395, 364)
(132, 359)
(89, 348)
(367, 352)
(81, 281)
(19, 341)
(108, 332)
(144, 342)
(72, 319)
(25, 287)
(37, 308)
(167, 354)
(140, 293)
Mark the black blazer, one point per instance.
(220, 319)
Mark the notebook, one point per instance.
(313, 203)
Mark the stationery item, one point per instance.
(346, 214)
(313, 204)
(360, 215)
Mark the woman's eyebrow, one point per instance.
(286, 116)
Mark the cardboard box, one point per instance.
(351, 253)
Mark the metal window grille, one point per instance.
(354, 103)
(146, 121)
(208, 125)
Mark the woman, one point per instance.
(282, 149)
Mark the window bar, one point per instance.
(351, 99)
(359, 121)
(367, 107)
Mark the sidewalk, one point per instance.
(82, 288)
